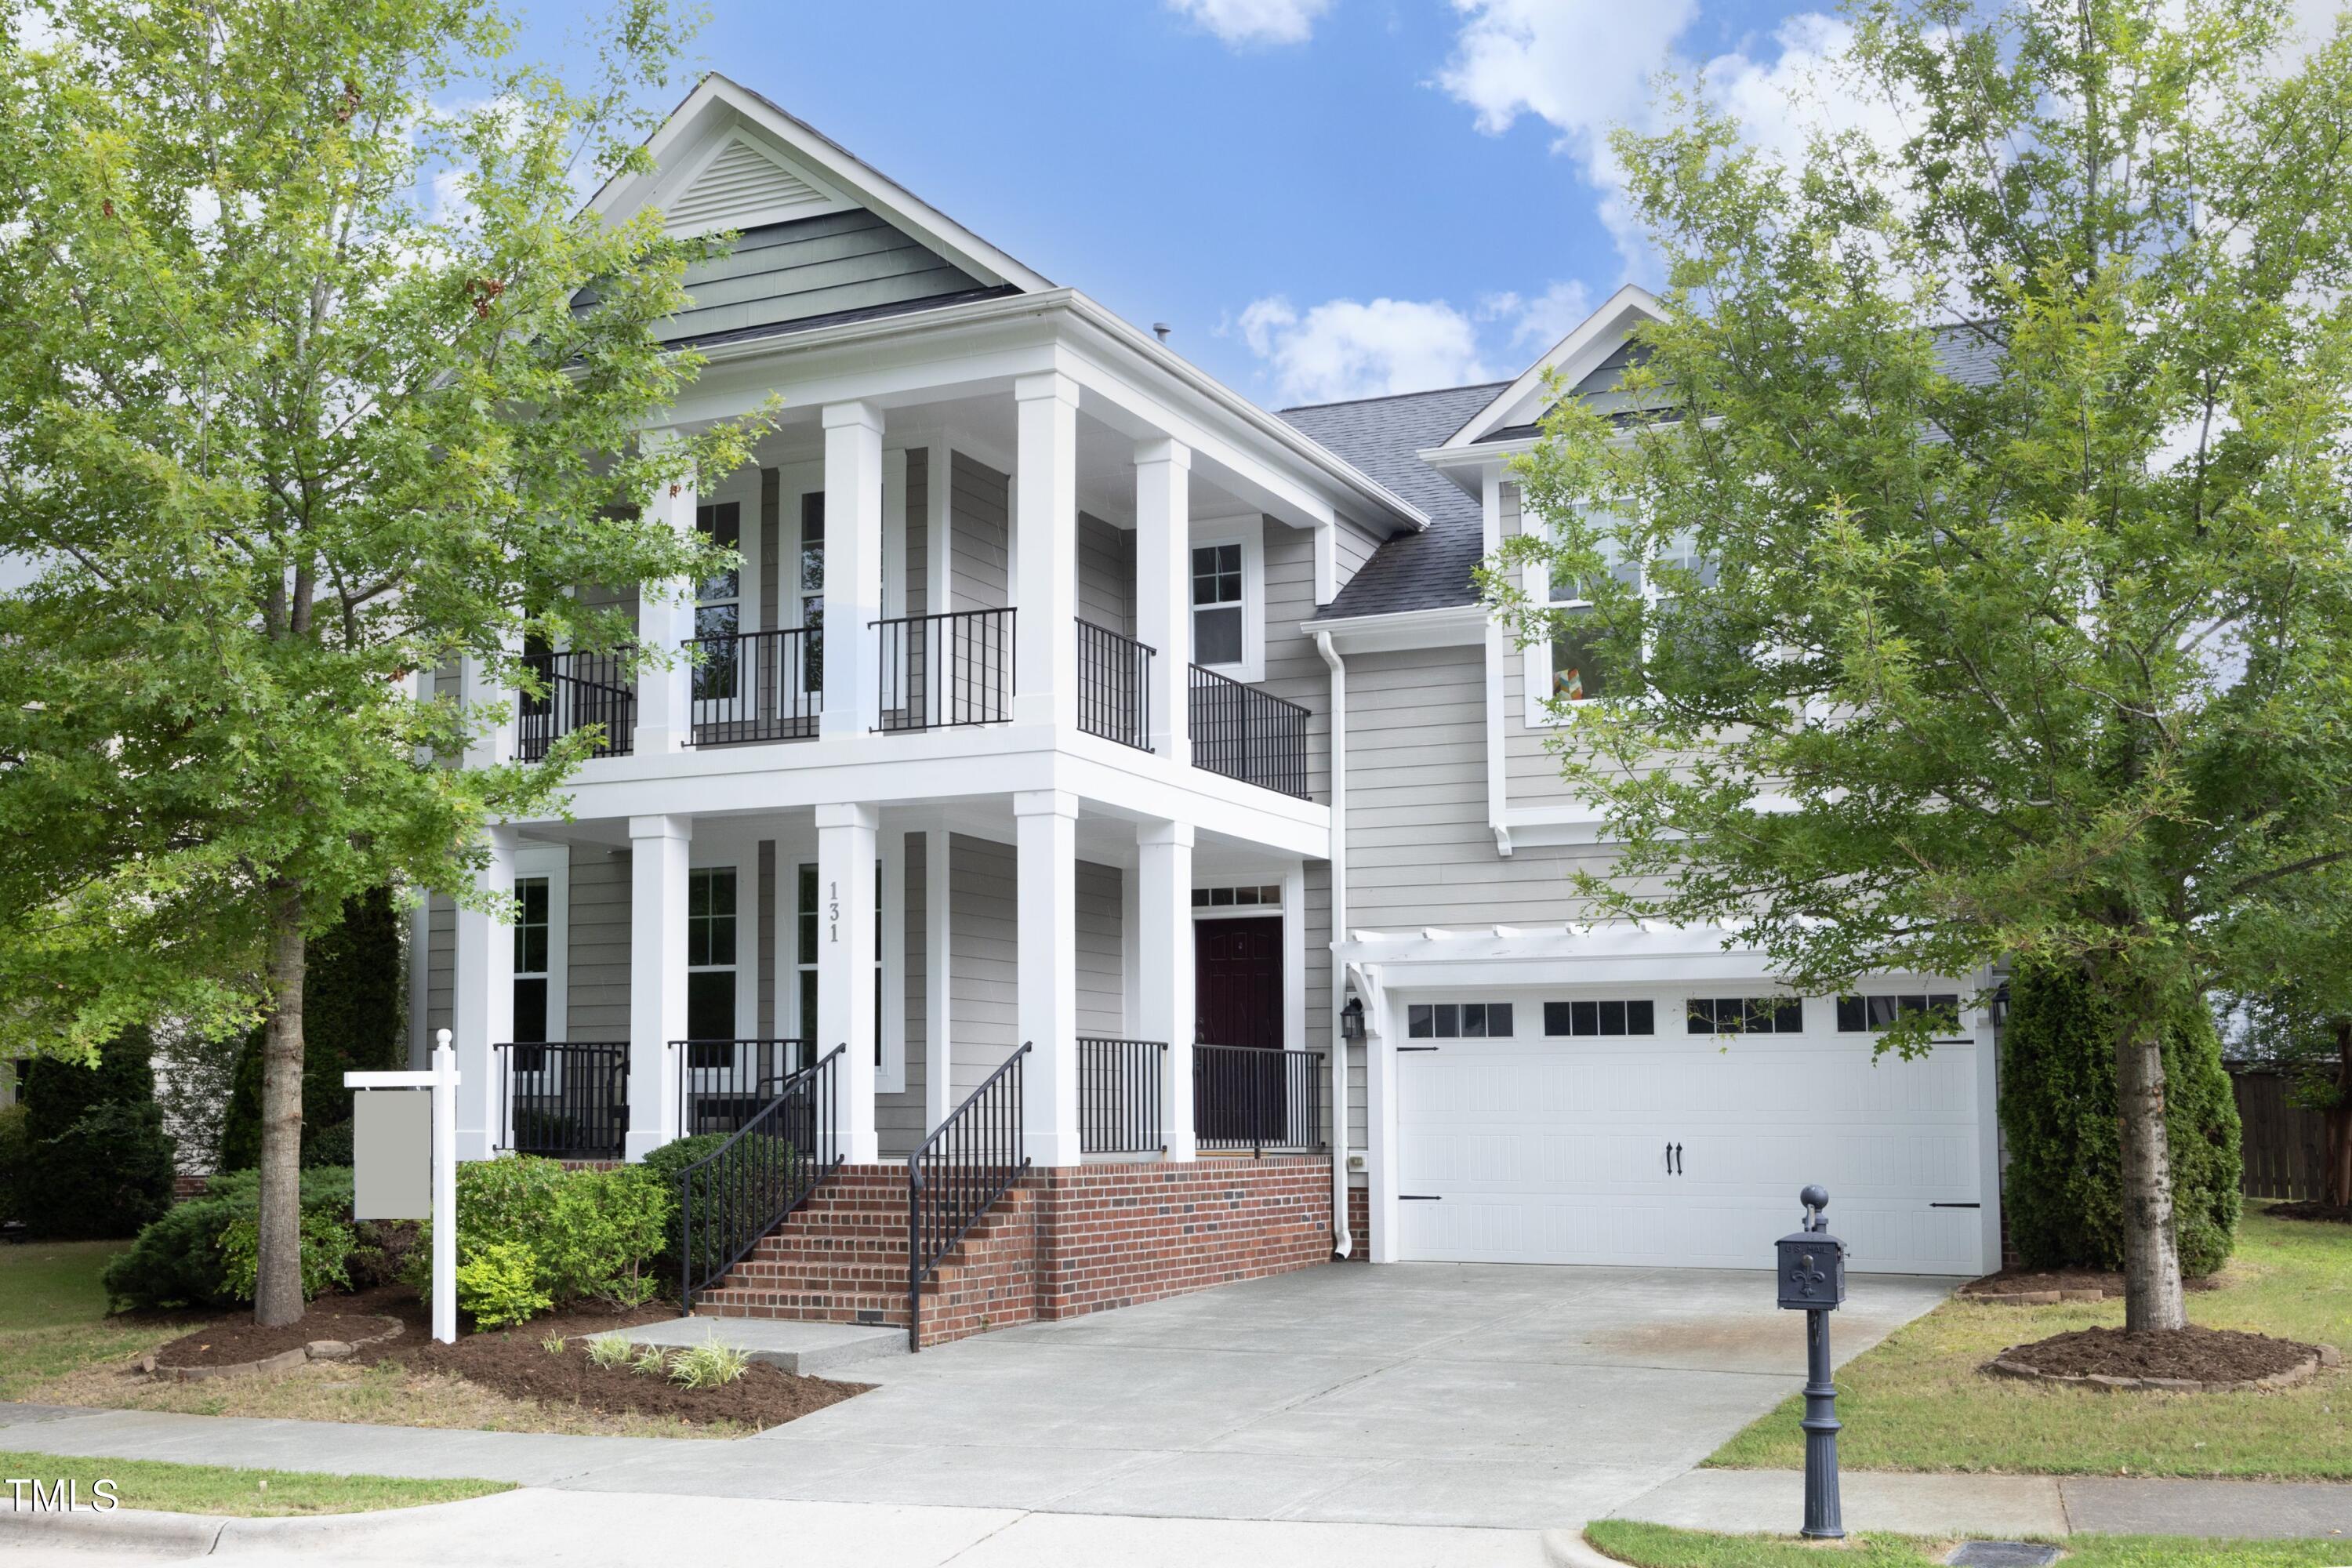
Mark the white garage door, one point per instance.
(1686, 1151)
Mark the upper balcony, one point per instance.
(931, 672)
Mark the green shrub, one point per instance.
(97, 1160)
(753, 1184)
(498, 1284)
(179, 1260)
(585, 1234)
(328, 1146)
(708, 1365)
(326, 1247)
(15, 1152)
(382, 1254)
(2063, 1188)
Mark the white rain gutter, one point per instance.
(1343, 1242)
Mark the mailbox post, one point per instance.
(1813, 1282)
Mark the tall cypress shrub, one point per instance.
(353, 1019)
(2062, 1189)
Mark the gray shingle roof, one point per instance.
(1424, 571)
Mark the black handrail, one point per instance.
(935, 671)
(577, 689)
(958, 1174)
(1247, 734)
(756, 686)
(743, 1189)
(1119, 1096)
(722, 1084)
(1245, 1097)
(567, 1099)
(1114, 685)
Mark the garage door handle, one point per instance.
(1421, 1197)
(1674, 1159)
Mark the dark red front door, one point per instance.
(1237, 982)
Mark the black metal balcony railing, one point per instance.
(577, 689)
(1114, 685)
(1248, 734)
(567, 1099)
(743, 1189)
(722, 1084)
(756, 686)
(958, 1174)
(940, 670)
(1119, 1096)
(1247, 1098)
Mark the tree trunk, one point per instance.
(2340, 1121)
(2152, 1298)
(278, 1290)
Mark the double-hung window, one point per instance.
(711, 970)
(1580, 667)
(719, 605)
(533, 952)
(1218, 619)
(810, 576)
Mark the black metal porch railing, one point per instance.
(567, 1099)
(958, 1174)
(577, 689)
(756, 686)
(940, 670)
(1245, 1097)
(1247, 734)
(1114, 685)
(743, 1189)
(722, 1084)
(1119, 1096)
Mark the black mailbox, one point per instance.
(1812, 1261)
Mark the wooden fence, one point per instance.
(2286, 1145)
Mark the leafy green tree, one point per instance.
(2292, 987)
(309, 382)
(1997, 602)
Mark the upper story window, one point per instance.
(1573, 667)
(1217, 603)
(810, 577)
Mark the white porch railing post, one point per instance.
(1164, 919)
(1163, 585)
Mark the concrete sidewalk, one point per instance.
(1742, 1502)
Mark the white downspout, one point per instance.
(1343, 1240)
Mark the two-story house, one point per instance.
(1091, 769)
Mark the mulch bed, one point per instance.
(2059, 1284)
(513, 1362)
(236, 1341)
(2310, 1208)
(2198, 1354)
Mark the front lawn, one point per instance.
(217, 1488)
(1657, 1546)
(1919, 1401)
(53, 1315)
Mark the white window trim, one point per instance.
(1535, 677)
(744, 861)
(553, 862)
(1249, 532)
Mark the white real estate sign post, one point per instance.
(386, 1152)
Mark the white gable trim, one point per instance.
(1574, 356)
(719, 107)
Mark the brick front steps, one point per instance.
(1064, 1242)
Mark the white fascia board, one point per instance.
(1452, 626)
(1595, 338)
(924, 355)
(716, 100)
(1468, 467)
(1651, 953)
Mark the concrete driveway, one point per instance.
(1411, 1393)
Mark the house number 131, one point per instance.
(833, 911)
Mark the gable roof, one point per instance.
(1578, 357)
(1383, 437)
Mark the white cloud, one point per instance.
(1535, 324)
(1241, 23)
(1344, 347)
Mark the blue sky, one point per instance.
(1323, 197)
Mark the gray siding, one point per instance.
(984, 1014)
(1102, 988)
(810, 266)
(598, 986)
(440, 965)
(1106, 575)
(1419, 850)
(1294, 670)
(1351, 546)
(898, 1118)
(980, 562)
(917, 567)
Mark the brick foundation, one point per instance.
(1062, 1242)
(1360, 1225)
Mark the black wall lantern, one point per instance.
(1351, 1020)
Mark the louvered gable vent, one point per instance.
(742, 187)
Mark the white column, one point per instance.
(1163, 586)
(1164, 921)
(665, 620)
(939, 992)
(1380, 1126)
(1047, 973)
(1294, 957)
(1046, 527)
(853, 566)
(890, 1028)
(1988, 1171)
(482, 1003)
(481, 691)
(845, 850)
(657, 873)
